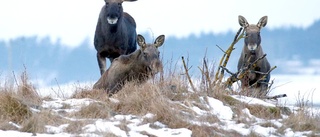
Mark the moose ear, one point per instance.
(141, 41)
(159, 41)
(242, 21)
(262, 22)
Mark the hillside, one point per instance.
(156, 108)
(293, 50)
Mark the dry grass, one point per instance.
(12, 108)
(75, 127)
(90, 93)
(94, 110)
(169, 100)
(206, 131)
(302, 120)
(149, 98)
(264, 112)
(17, 100)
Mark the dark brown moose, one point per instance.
(138, 66)
(115, 33)
(252, 50)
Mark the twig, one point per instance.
(221, 49)
(246, 69)
(187, 73)
(263, 77)
(227, 70)
(255, 62)
(233, 78)
(15, 79)
(269, 87)
(205, 73)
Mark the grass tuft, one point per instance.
(94, 110)
(12, 108)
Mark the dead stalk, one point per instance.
(187, 74)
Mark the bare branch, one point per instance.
(245, 70)
(187, 73)
(227, 70)
(264, 77)
(221, 49)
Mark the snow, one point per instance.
(56, 130)
(305, 87)
(250, 100)
(135, 126)
(220, 110)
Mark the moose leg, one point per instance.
(101, 63)
(265, 85)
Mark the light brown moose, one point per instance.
(252, 50)
(138, 66)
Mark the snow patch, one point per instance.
(220, 110)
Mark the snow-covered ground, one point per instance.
(137, 127)
(295, 86)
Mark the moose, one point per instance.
(115, 33)
(251, 52)
(138, 66)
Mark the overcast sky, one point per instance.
(75, 20)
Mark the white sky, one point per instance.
(74, 20)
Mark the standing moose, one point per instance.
(115, 33)
(251, 51)
(137, 66)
